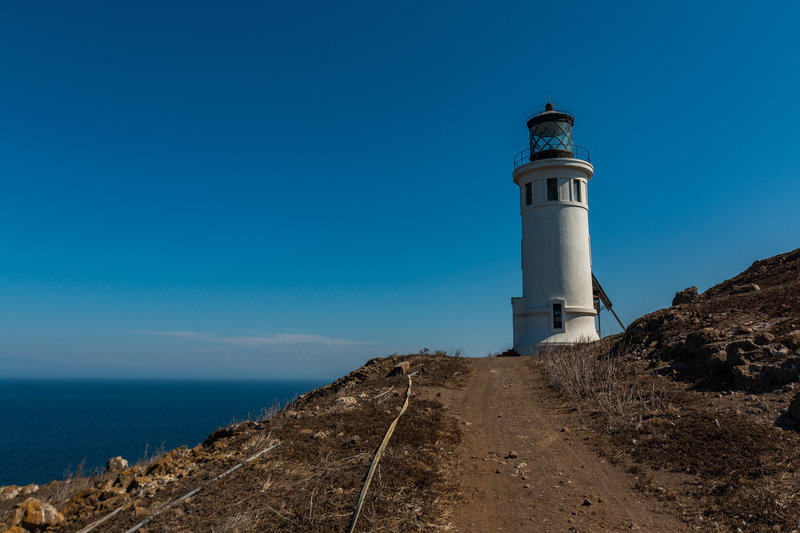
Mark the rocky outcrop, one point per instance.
(743, 333)
(686, 296)
(400, 369)
(115, 464)
(32, 515)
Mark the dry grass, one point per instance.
(238, 523)
(312, 480)
(720, 469)
(593, 371)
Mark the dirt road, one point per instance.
(526, 469)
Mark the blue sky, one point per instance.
(285, 190)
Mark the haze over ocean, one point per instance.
(50, 426)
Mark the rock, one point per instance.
(321, 435)
(400, 369)
(6, 493)
(794, 407)
(587, 502)
(39, 515)
(712, 364)
(15, 529)
(780, 374)
(742, 289)
(511, 455)
(116, 464)
(347, 401)
(736, 358)
(742, 351)
(744, 345)
(792, 339)
(697, 339)
(292, 414)
(305, 432)
(27, 490)
(138, 482)
(765, 338)
(14, 517)
(686, 296)
(219, 434)
(363, 395)
(743, 330)
(165, 465)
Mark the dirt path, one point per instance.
(555, 482)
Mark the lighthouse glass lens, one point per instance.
(551, 135)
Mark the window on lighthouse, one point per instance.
(528, 193)
(576, 191)
(552, 190)
(558, 319)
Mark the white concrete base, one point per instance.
(533, 329)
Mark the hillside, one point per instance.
(689, 420)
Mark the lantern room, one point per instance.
(551, 134)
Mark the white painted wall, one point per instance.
(556, 256)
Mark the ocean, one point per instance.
(48, 427)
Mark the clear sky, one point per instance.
(265, 190)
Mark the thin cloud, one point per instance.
(276, 340)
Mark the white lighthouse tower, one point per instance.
(557, 304)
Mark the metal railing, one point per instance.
(524, 157)
(551, 111)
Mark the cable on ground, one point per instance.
(376, 459)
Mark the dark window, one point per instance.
(558, 320)
(576, 191)
(552, 190)
(528, 194)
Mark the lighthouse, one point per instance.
(557, 304)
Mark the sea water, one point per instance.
(48, 427)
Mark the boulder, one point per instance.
(764, 338)
(779, 374)
(139, 482)
(116, 464)
(27, 490)
(14, 517)
(687, 295)
(703, 337)
(347, 401)
(744, 345)
(745, 376)
(737, 358)
(743, 351)
(39, 515)
(792, 339)
(15, 529)
(711, 362)
(742, 289)
(6, 493)
(794, 407)
(400, 369)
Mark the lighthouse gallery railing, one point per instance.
(578, 152)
